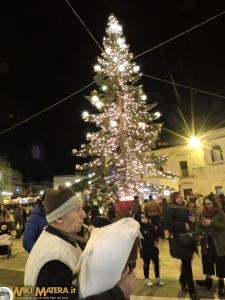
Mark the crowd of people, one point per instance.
(57, 222)
(15, 216)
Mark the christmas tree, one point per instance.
(120, 149)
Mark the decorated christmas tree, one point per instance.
(126, 131)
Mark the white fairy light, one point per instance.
(120, 41)
(95, 98)
(143, 97)
(88, 135)
(99, 105)
(121, 68)
(97, 68)
(115, 28)
(157, 114)
(113, 123)
(142, 125)
(104, 87)
(108, 50)
(136, 69)
(115, 59)
(85, 114)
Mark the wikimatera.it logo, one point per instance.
(5, 293)
(48, 293)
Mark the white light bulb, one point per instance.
(88, 135)
(108, 50)
(104, 87)
(115, 59)
(99, 105)
(157, 114)
(113, 123)
(142, 125)
(85, 114)
(94, 98)
(97, 68)
(121, 68)
(116, 28)
(136, 69)
(120, 41)
(143, 97)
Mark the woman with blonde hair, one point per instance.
(211, 229)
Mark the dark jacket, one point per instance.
(136, 210)
(148, 249)
(111, 211)
(217, 232)
(175, 218)
(36, 223)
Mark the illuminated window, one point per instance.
(216, 153)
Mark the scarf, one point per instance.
(210, 213)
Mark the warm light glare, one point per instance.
(194, 142)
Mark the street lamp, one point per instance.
(194, 143)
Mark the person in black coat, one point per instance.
(149, 250)
(179, 220)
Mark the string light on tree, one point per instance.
(95, 98)
(157, 114)
(144, 97)
(136, 69)
(113, 123)
(85, 114)
(104, 87)
(120, 149)
(97, 68)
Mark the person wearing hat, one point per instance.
(53, 259)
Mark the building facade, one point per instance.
(66, 180)
(200, 170)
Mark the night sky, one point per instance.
(46, 55)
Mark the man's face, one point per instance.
(73, 221)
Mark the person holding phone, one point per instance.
(211, 229)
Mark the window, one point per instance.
(219, 190)
(216, 153)
(184, 168)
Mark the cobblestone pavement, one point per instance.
(11, 274)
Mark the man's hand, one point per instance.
(127, 282)
(187, 227)
(191, 219)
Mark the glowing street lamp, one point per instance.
(194, 143)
